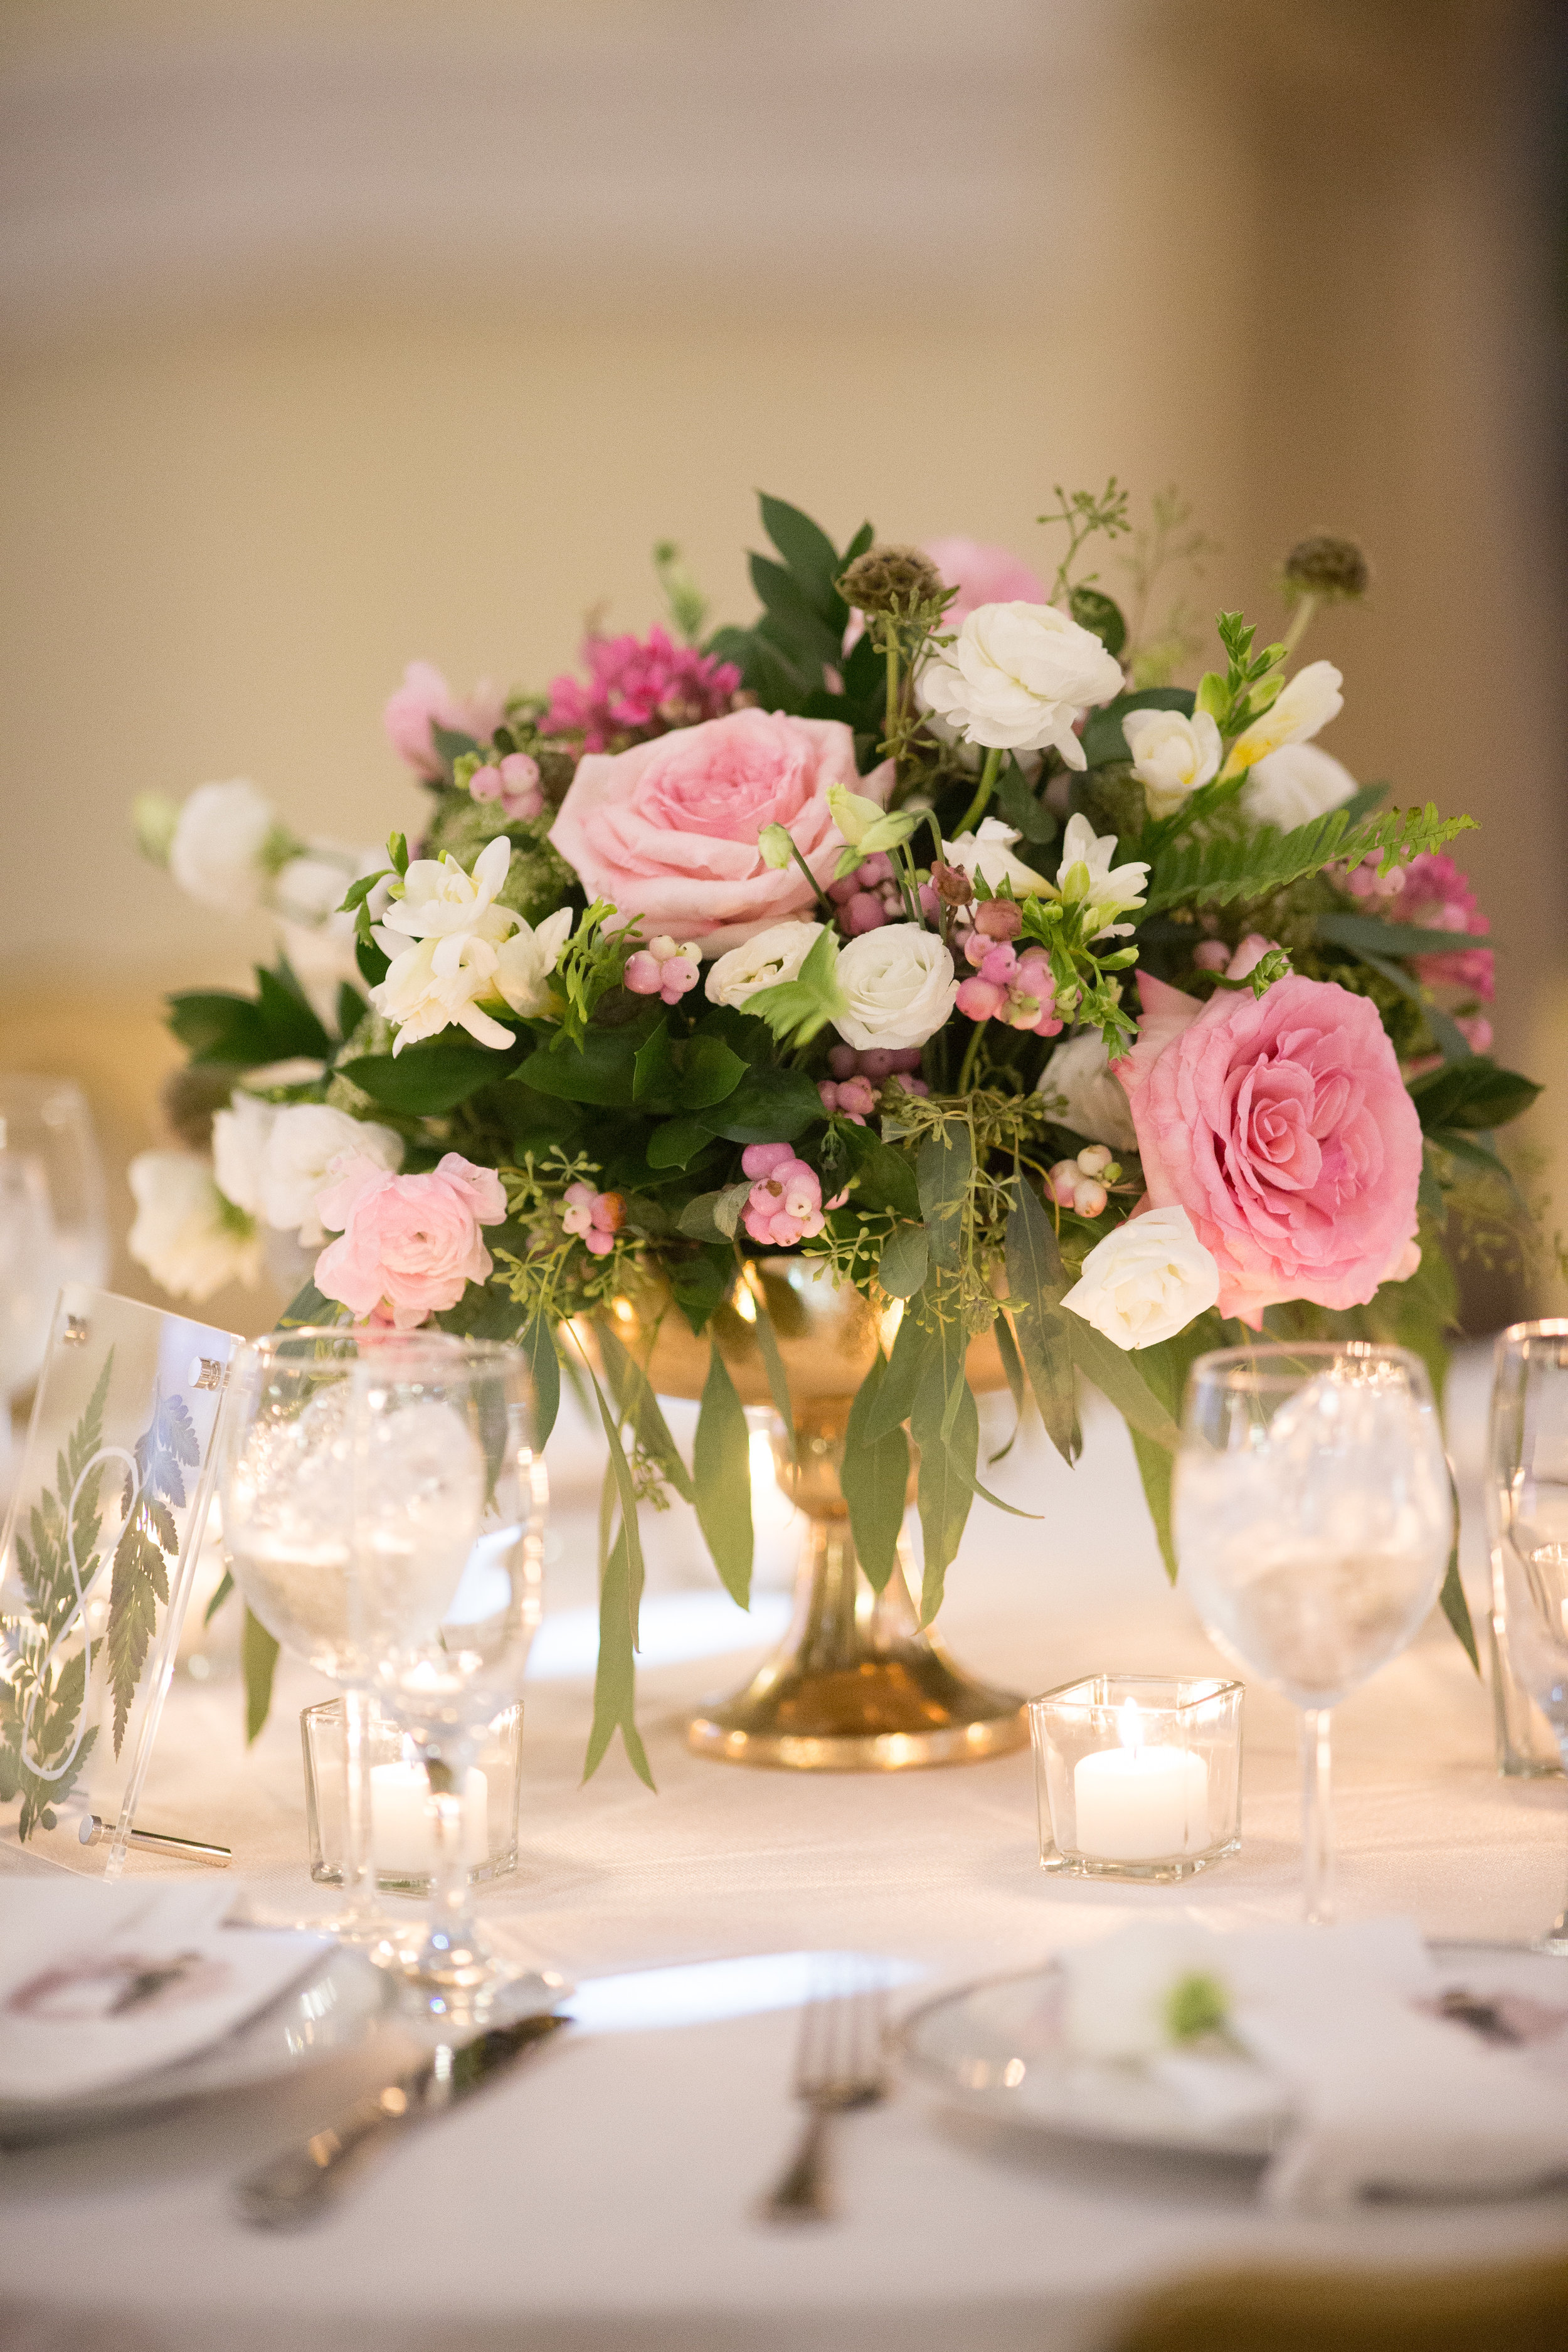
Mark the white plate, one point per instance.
(996, 2049)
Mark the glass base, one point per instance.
(1145, 1874)
(466, 1981)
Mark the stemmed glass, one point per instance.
(1313, 1519)
(1527, 1511)
(52, 1224)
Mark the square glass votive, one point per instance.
(402, 1828)
(1137, 1776)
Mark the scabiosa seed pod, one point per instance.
(1333, 569)
(890, 579)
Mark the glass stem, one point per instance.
(452, 1933)
(1317, 1818)
(1556, 1937)
(360, 1894)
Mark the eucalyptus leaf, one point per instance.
(1120, 1384)
(721, 1459)
(258, 1657)
(778, 1379)
(537, 1341)
(945, 1484)
(906, 1255)
(945, 1171)
(620, 1594)
(638, 1408)
(1036, 1283)
(874, 1477)
(913, 1346)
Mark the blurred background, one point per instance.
(339, 332)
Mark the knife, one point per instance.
(297, 2187)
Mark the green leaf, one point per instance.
(351, 1010)
(220, 1027)
(537, 1341)
(638, 1408)
(1013, 1367)
(374, 963)
(1218, 867)
(1102, 616)
(293, 1028)
(778, 1379)
(884, 1177)
(1017, 805)
(768, 1106)
(620, 1593)
(678, 1142)
(945, 1486)
(307, 1309)
(945, 1171)
(258, 1656)
(913, 1346)
(701, 1283)
(874, 1477)
(811, 556)
(654, 1075)
(1118, 1380)
(722, 1461)
(806, 637)
(428, 1080)
(1155, 1466)
(710, 1073)
(714, 1216)
(1454, 1606)
(1359, 932)
(1451, 1039)
(1036, 1283)
(1103, 740)
(601, 1069)
(1472, 1095)
(450, 743)
(906, 1255)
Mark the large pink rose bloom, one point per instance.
(668, 830)
(1281, 1125)
(409, 1245)
(423, 696)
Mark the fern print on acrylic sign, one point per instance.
(100, 1558)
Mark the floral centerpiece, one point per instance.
(924, 927)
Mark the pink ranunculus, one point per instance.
(409, 1245)
(1281, 1125)
(425, 695)
(668, 830)
(638, 688)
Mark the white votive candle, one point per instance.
(1141, 1804)
(403, 1825)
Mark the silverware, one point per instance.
(94, 1829)
(839, 2065)
(296, 2187)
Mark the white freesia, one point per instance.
(1087, 876)
(1306, 705)
(1146, 1281)
(1016, 678)
(774, 955)
(440, 900)
(303, 1141)
(1295, 784)
(899, 987)
(527, 960)
(1172, 755)
(240, 1136)
(190, 1239)
(988, 854)
(1129, 1994)
(437, 985)
(1078, 1089)
(224, 844)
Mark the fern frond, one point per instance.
(1253, 865)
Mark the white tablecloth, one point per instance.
(603, 2197)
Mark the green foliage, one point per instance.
(149, 1542)
(721, 1463)
(1088, 514)
(1218, 867)
(241, 1032)
(1100, 614)
(428, 1079)
(1041, 1325)
(620, 1597)
(1103, 738)
(1470, 1094)
(259, 1661)
(875, 1476)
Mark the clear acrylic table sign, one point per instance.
(97, 1564)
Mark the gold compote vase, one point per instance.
(855, 1685)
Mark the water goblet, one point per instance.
(1527, 1511)
(1313, 1519)
(52, 1222)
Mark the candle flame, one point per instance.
(1130, 1726)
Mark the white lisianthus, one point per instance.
(190, 1239)
(240, 1137)
(1292, 786)
(1304, 707)
(1078, 1089)
(226, 843)
(1087, 876)
(1146, 1281)
(1144, 1989)
(1172, 755)
(527, 960)
(988, 854)
(774, 955)
(1016, 678)
(305, 1139)
(899, 987)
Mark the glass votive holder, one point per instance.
(1137, 1776)
(401, 1826)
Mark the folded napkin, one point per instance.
(1382, 2092)
(100, 1984)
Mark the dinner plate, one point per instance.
(997, 2048)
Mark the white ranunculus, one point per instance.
(1291, 786)
(774, 955)
(1304, 707)
(1125, 1992)
(899, 987)
(190, 1239)
(223, 844)
(240, 1137)
(1171, 756)
(1077, 1089)
(1086, 875)
(1146, 1281)
(305, 1139)
(1017, 676)
(527, 960)
(989, 854)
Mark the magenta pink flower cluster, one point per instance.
(409, 1245)
(514, 782)
(785, 1203)
(593, 1218)
(638, 688)
(664, 968)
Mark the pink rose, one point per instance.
(1281, 1125)
(668, 830)
(410, 1244)
(423, 696)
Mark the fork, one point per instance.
(839, 2065)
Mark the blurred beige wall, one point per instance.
(346, 334)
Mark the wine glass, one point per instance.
(1313, 1519)
(53, 1228)
(450, 1527)
(1527, 1511)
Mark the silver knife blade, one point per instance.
(296, 2187)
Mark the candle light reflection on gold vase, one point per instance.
(855, 1685)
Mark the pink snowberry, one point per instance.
(664, 968)
(594, 1218)
(1211, 955)
(1007, 986)
(515, 783)
(786, 1202)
